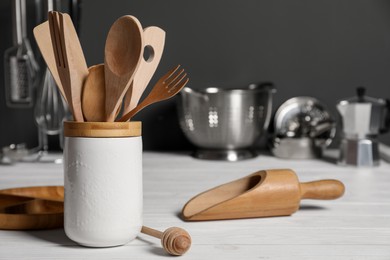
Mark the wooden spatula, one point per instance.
(43, 39)
(261, 194)
(154, 39)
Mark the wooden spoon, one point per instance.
(94, 95)
(154, 39)
(122, 55)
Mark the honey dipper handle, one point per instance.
(322, 190)
(152, 232)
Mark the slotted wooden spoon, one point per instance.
(154, 39)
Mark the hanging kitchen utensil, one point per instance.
(122, 55)
(75, 13)
(20, 67)
(166, 87)
(262, 194)
(154, 39)
(50, 108)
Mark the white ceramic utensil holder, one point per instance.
(103, 182)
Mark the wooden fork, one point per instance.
(72, 74)
(166, 87)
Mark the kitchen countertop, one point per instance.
(356, 226)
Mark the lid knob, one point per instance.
(361, 92)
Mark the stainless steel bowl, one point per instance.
(225, 123)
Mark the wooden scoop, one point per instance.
(261, 194)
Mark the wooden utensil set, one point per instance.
(99, 93)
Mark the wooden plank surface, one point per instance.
(357, 226)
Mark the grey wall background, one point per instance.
(322, 48)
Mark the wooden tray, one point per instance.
(32, 208)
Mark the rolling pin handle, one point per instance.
(322, 190)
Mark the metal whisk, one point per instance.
(50, 109)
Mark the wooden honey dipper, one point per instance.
(175, 240)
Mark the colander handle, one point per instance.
(269, 86)
(386, 125)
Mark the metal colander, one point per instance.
(225, 123)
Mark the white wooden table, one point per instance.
(357, 226)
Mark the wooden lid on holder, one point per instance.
(102, 129)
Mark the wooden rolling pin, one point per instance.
(261, 194)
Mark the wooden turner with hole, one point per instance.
(262, 194)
